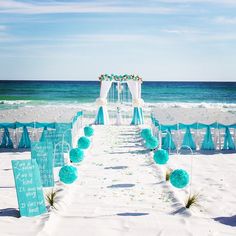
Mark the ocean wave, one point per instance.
(14, 102)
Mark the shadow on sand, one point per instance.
(116, 167)
(12, 212)
(132, 214)
(121, 186)
(230, 220)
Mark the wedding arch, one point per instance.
(134, 85)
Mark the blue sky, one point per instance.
(79, 40)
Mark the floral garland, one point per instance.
(125, 77)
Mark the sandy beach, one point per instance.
(121, 191)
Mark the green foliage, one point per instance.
(192, 200)
(168, 173)
(52, 197)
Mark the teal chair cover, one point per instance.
(208, 143)
(25, 139)
(188, 140)
(100, 117)
(6, 139)
(167, 141)
(228, 140)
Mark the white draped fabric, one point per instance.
(135, 89)
(105, 87)
(102, 101)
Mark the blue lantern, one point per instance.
(76, 155)
(179, 178)
(161, 157)
(88, 131)
(68, 174)
(83, 142)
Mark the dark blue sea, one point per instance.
(13, 93)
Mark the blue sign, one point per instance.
(42, 152)
(28, 187)
(58, 155)
(61, 134)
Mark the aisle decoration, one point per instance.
(88, 131)
(179, 178)
(68, 174)
(76, 155)
(207, 144)
(151, 142)
(161, 157)
(34, 129)
(134, 84)
(146, 133)
(84, 142)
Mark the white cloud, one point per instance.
(11, 6)
(226, 20)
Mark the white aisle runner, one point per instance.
(119, 192)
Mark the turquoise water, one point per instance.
(38, 92)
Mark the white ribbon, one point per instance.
(101, 101)
(138, 102)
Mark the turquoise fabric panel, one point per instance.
(7, 125)
(45, 125)
(28, 188)
(6, 139)
(100, 117)
(142, 117)
(19, 125)
(188, 140)
(208, 143)
(137, 116)
(25, 139)
(167, 142)
(168, 127)
(228, 140)
(80, 113)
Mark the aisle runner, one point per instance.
(119, 189)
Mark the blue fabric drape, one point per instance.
(188, 140)
(137, 116)
(208, 143)
(100, 117)
(25, 139)
(6, 139)
(42, 138)
(228, 140)
(167, 141)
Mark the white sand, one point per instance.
(120, 191)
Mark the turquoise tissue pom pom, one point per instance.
(88, 131)
(83, 142)
(68, 174)
(161, 157)
(146, 133)
(76, 155)
(179, 178)
(151, 142)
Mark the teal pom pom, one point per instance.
(161, 157)
(88, 131)
(68, 174)
(76, 155)
(179, 178)
(151, 142)
(146, 133)
(83, 143)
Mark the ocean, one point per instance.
(20, 93)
